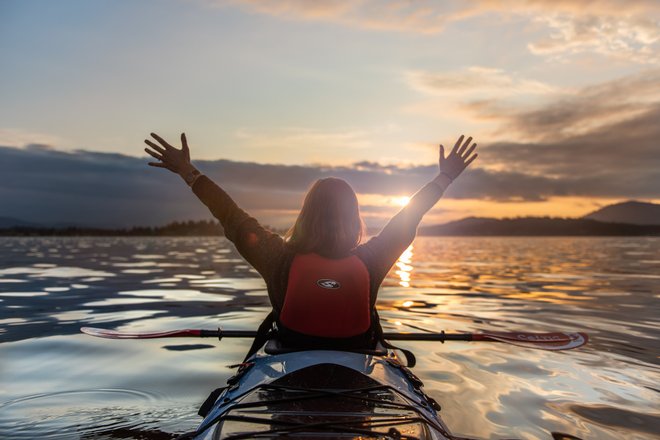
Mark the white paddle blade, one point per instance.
(545, 341)
(112, 334)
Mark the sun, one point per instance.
(400, 201)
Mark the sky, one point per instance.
(562, 97)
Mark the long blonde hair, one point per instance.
(329, 222)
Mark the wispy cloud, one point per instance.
(575, 112)
(390, 15)
(306, 144)
(632, 38)
(17, 137)
(477, 98)
(613, 28)
(619, 158)
(477, 81)
(524, 110)
(600, 140)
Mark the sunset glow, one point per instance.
(401, 201)
(561, 98)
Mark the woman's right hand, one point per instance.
(459, 158)
(175, 160)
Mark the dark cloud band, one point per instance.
(101, 189)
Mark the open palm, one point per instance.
(175, 160)
(458, 159)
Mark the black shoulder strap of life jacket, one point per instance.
(264, 332)
(411, 361)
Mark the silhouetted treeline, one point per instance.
(471, 226)
(540, 226)
(185, 228)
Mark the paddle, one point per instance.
(543, 341)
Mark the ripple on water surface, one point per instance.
(91, 413)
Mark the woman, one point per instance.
(322, 282)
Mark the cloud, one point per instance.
(614, 28)
(46, 185)
(17, 137)
(574, 113)
(478, 81)
(299, 139)
(601, 140)
(482, 96)
(307, 145)
(631, 38)
(391, 15)
(618, 158)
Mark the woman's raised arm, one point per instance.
(259, 246)
(400, 231)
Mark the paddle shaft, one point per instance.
(544, 341)
(387, 336)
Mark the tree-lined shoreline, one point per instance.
(471, 226)
(631, 218)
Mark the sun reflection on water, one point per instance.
(404, 267)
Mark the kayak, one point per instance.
(284, 392)
(322, 394)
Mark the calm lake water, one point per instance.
(56, 383)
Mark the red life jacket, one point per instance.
(327, 297)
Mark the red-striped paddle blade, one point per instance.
(112, 334)
(544, 341)
(185, 333)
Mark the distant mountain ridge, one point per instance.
(536, 226)
(624, 219)
(632, 212)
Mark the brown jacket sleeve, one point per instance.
(382, 250)
(260, 247)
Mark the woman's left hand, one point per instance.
(175, 160)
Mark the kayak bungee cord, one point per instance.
(362, 394)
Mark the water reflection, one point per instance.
(53, 415)
(604, 286)
(403, 266)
